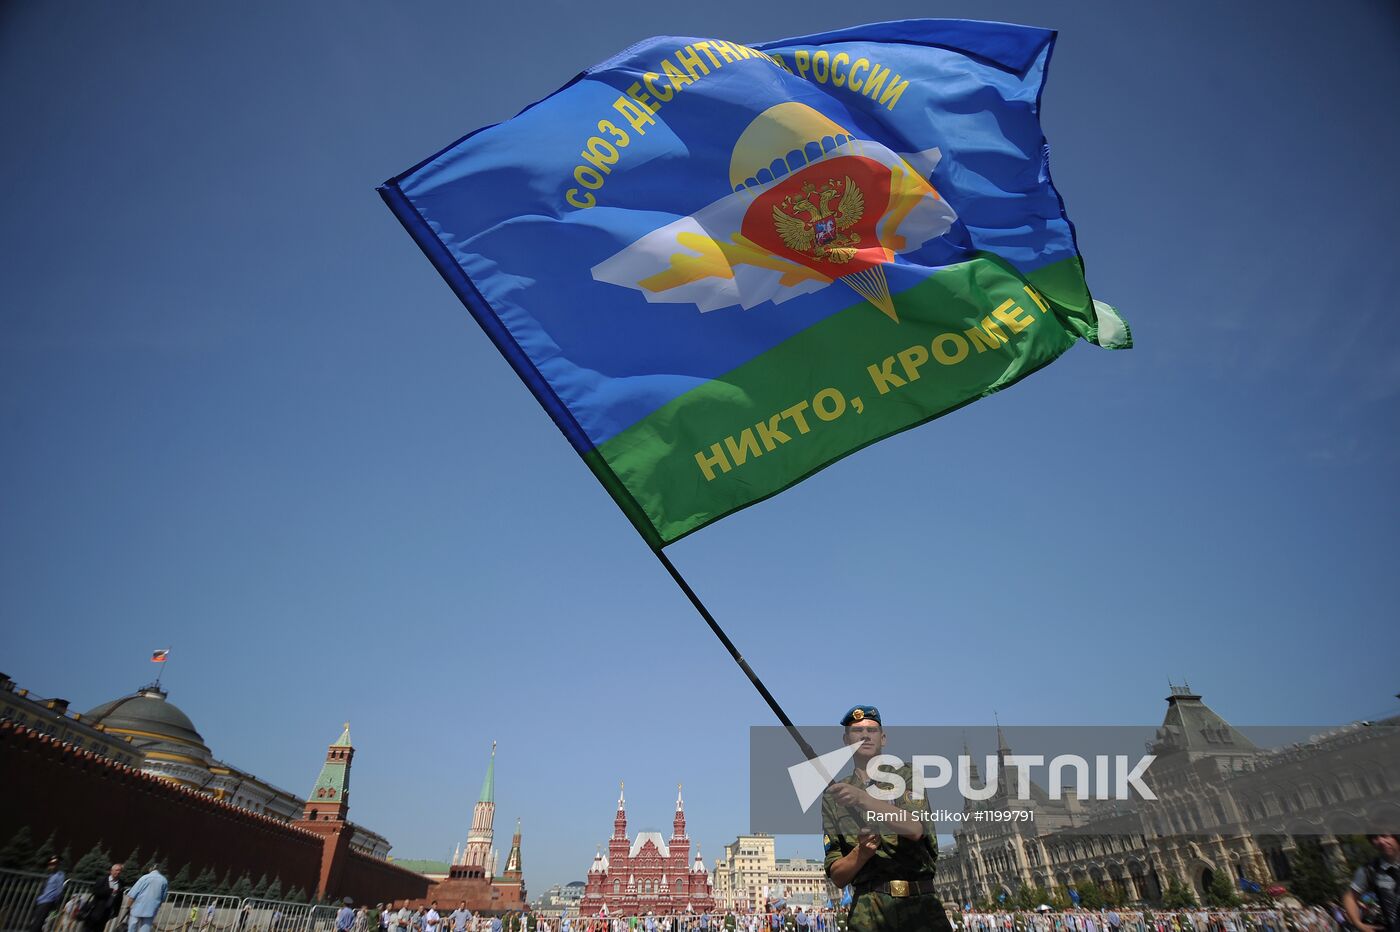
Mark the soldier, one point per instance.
(889, 866)
(1381, 878)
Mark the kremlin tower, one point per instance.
(326, 809)
(330, 797)
(471, 876)
(475, 860)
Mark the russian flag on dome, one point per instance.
(722, 267)
(158, 656)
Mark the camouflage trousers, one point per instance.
(880, 912)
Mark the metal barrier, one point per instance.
(272, 916)
(196, 912)
(182, 911)
(18, 891)
(322, 919)
(283, 916)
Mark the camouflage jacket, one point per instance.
(897, 858)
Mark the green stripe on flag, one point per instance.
(852, 379)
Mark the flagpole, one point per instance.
(734, 652)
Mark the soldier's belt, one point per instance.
(897, 887)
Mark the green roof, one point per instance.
(422, 865)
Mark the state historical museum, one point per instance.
(648, 875)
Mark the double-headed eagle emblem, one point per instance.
(822, 235)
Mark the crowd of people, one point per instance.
(1302, 919)
(90, 909)
(1276, 919)
(1370, 903)
(386, 918)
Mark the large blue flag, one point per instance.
(721, 267)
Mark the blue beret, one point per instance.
(862, 712)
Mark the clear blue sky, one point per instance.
(242, 417)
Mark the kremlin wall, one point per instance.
(135, 773)
(84, 799)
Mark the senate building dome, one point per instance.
(173, 747)
(174, 750)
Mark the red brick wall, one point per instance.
(84, 799)
(370, 880)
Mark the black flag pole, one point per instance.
(792, 731)
(734, 652)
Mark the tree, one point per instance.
(1313, 881)
(1112, 894)
(40, 859)
(243, 887)
(298, 895)
(1221, 891)
(274, 889)
(1090, 896)
(225, 886)
(18, 852)
(1359, 851)
(260, 888)
(207, 881)
(93, 865)
(132, 864)
(183, 879)
(1178, 896)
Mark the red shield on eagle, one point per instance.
(825, 216)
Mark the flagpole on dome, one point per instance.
(160, 656)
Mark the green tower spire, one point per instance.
(330, 797)
(344, 740)
(476, 859)
(488, 785)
